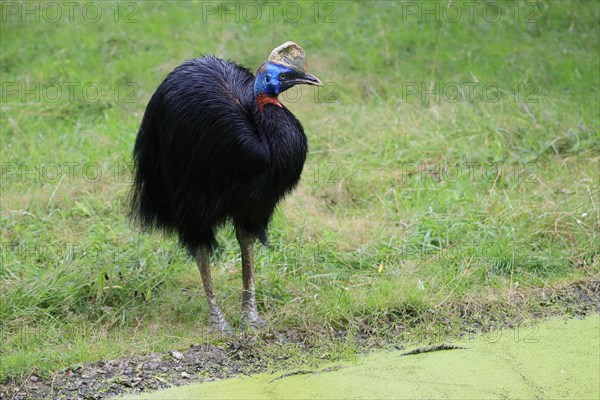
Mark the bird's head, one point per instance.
(284, 68)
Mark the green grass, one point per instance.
(382, 226)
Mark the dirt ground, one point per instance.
(241, 355)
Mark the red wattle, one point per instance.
(262, 99)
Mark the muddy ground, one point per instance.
(243, 353)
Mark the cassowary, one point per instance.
(215, 144)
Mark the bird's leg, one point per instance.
(249, 312)
(217, 320)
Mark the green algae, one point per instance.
(553, 359)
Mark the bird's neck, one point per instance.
(262, 99)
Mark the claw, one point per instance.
(220, 324)
(251, 319)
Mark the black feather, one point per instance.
(205, 154)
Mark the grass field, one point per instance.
(453, 165)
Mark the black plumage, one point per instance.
(211, 149)
(204, 153)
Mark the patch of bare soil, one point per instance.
(105, 379)
(243, 354)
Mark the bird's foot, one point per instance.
(218, 323)
(250, 319)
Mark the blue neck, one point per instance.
(267, 79)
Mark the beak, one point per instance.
(307, 79)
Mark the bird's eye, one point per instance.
(267, 79)
(282, 76)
